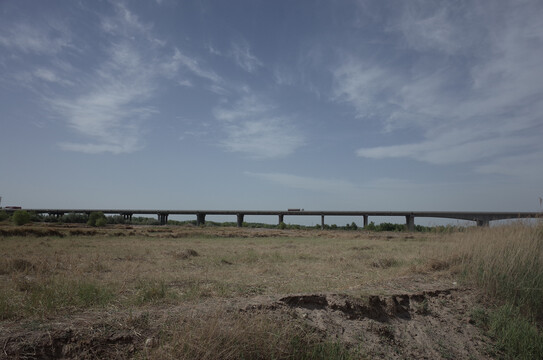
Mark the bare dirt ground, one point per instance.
(411, 315)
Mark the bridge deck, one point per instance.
(481, 217)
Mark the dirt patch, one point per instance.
(425, 325)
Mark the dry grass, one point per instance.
(229, 336)
(506, 261)
(57, 271)
(178, 264)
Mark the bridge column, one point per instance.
(483, 222)
(322, 222)
(410, 222)
(365, 221)
(163, 218)
(281, 218)
(200, 219)
(240, 220)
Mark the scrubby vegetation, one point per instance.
(507, 263)
(21, 217)
(97, 219)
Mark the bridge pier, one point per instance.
(127, 216)
(240, 220)
(322, 222)
(281, 218)
(410, 222)
(365, 221)
(483, 222)
(200, 219)
(163, 218)
(58, 215)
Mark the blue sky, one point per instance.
(336, 105)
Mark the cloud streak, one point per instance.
(467, 108)
(241, 54)
(110, 112)
(253, 128)
(44, 39)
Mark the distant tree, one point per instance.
(21, 217)
(354, 226)
(94, 217)
(371, 226)
(3, 215)
(101, 222)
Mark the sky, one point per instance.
(269, 105)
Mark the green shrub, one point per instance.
(75, 218)
(94, 217)
(101, 222)
(371, 226)
(3, 215)
(21, 217)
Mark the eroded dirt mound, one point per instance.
(425, 325)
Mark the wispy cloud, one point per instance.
(194, 67)
(111, 109)
(37, 38)
(51, 76)
(252, 127)
(468, 108)
(247, 106)
(308, 183)
(244, 58)
(263, 138)
(110, 112)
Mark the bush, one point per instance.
(21, 217)
(3, 215)
(95, 217)
(371, 226)
(101, 222)
(74, 218)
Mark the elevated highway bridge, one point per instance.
(482, 218)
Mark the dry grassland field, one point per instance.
(183, 292)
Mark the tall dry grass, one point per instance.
(506, 261)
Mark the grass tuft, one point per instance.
(384, 263)
(243, 336)
(152, 292)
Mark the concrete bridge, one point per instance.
(482, 218)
